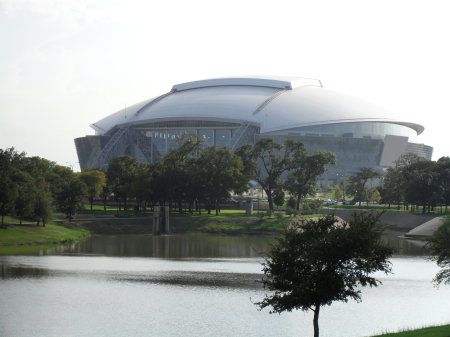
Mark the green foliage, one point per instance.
(318, 262)
(357, 185)
(70, 196)
(95, 181)
(291, 203)
(415, 181)
(307, 168)
(440, 249)
(121, 174)
(278, 197)
(27, 234)
(268, 161)
(221, 172)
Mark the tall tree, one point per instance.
(393, 183)
(443, 167)
(121, 174)
(42, 206)
(94, 180)
(143, 185)
(221, 172)
(9, 160)
(26, 195)
(272, 160)
(318, 262)
(423, 185)
(358, 184)
(175, 169)
(70, 197)
(302, 179)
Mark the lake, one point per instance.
(195, 285)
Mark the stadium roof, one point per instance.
(275, 103)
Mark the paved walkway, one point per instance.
(426, 229)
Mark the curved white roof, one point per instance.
(275, 103)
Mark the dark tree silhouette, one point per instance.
(318, 262)
(440, 250)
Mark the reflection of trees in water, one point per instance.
(402, 246)
(174, 246)
(198, 246)
(8, 272)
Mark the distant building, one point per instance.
(231, 112)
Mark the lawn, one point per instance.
(439, 331)
(15, 238)
(232, 222)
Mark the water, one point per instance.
(194, 285)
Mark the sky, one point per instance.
(65, 64)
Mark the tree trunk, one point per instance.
(269, 198)
(316, 321)
(298, 204)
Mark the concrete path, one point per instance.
(426, 229)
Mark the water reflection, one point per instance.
(198, 246)
(173, 246)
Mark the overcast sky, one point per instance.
(66, 64)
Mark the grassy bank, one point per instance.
(439, 331)
(28, 238)
(231, 222)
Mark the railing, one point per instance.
(238, 135)
(268, 100)
(105, 155)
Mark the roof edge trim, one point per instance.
(278, 83)
(416, 127)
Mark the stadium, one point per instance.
(231, 112)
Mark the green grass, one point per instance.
(27, 238)
(227, 222)
(439, 331)
(382, 207)
(231, 222)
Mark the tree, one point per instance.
(42, 202)
(94, 180)
(422, 184)
(357, 184)
(440, 251)
(26, 195)
(121, 174)
(318, 262)
(393, 183)
(174, 170)
(70, 197)
(443, 166)
(302, 180)
(220, 171)
(9, 160)
(271, 161)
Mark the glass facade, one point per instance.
(155, 139)
(375, 130)
(356, 145)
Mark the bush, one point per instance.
(291, 203)
(292, 211)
